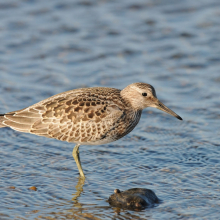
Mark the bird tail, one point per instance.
(2, 118)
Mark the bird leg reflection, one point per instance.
(77, 159)
(79, 189)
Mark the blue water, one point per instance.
(49, 47)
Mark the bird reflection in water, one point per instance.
(79, 190)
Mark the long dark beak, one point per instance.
(163, 107)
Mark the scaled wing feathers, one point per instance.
(85, 117)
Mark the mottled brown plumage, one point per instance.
(90, 116)
(85, 116)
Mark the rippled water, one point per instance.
(49, 47)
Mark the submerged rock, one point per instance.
(34, 188)
(135, 198)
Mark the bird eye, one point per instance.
(144, 94)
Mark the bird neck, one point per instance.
(130, 100)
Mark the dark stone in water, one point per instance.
(134, 199)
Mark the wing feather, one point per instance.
(80, 116)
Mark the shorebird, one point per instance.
(86, 116)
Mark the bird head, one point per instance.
(143, 95)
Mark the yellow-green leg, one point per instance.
(77, 159)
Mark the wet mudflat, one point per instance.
(49, 47)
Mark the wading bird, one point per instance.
(87, 116)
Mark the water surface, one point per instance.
(49, 47)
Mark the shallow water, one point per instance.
(49, 47)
